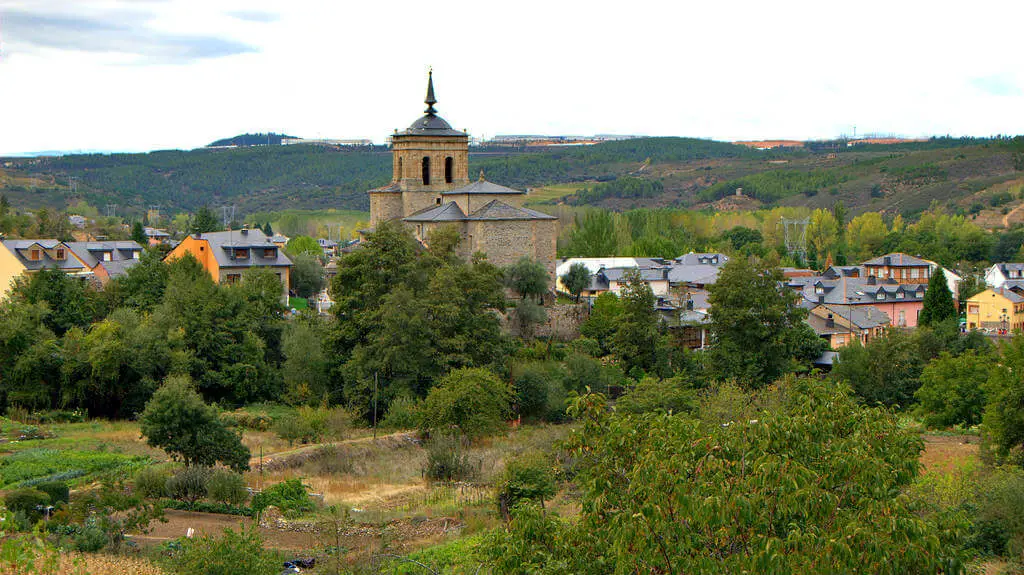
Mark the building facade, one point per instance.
(430, 188)
(227, 255)
(998, 309)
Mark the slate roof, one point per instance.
(69, 264)
(648, 274)
(897, 260)
(117, 268)
(431, 124)
(857, 290)
(446, 212)
(1010, 294)
(392, 188)
(692, 259)
(224, 244)
(499, 210)
(702, 274)
(1006, 266)
(91, 252)
(483, 187)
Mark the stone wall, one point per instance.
(385, 206)
(409, 151)
(563, 322)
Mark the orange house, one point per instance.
(227, 255)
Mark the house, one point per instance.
(1000, 274)
(901, 268)
(280, 240)
(21, 257)
(227, 255)
(683, 274)
(693, 259)
(852, 286)
(108, 259)
(840, 326)
(330, 247)
(999, 309)
(156, 236)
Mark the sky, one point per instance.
(138, 75)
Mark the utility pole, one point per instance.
(375, 405)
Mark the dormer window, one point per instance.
(34, 255)
(819, 290)
(899, 295)
(60, 253)
(880, 295)
(241, 254)
(269, 252)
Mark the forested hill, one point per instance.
(646, 172)
(270, 139)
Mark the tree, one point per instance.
(741, 237)
(268, 230)
(142, 287)
(952, 389)
(865, 234)
(528, 278)
(304, 245)
(472, 400)
(636, 335)
(593, 235)
(823, 232)
(758, 331)
(5, 206)
(70, 300)
(576, 279)
(938, 305)
(177, 421)
(887, 371)
(233, 553)
(205, 221)
(812, 485)
(307, 275)
(603, 320)
(1004, 409)
(139, 234)
(306, 364)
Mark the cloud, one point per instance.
(254, 16)
(124, 32)
(997, 85)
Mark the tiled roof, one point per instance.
(117, 268)
(482, 187)
(446, 212)
(70, 263)
(897, 260)
(854, 291)
(498, 210)
(91, 252)
(692, 259)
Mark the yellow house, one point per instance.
(999, 309)
(18, 257)
(226, 255)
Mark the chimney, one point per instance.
(821, 299)
(888, 261)
(830, 322)
(871, 280)
(245, 229)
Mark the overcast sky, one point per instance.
(154, 74)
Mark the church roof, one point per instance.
(498, 210)
(431, 124)
(447, 212)
(482, 187)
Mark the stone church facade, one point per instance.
(431, 188)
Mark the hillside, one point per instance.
(270, 139)
(973, 175)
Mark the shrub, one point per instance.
(90, 538)
(246, 420)
(447, 459)
(586, 346)
(660, 396)
(57, 490)
(473, 400)
(539, 391)
(151, 482)
(403, 413)
(294, 428)
(289, 495)
(189, 484)
(206, 507)
(26, 501)
(529, 476)
(227, 487)
(233, 553)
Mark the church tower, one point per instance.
(428, 158)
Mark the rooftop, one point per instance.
(431, 124)
(227, 245)
(898, 260)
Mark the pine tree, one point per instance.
(938, 301)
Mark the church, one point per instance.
(431, 188)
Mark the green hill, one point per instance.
(647, 172)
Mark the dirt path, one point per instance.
(254, 462)
(1006, 218)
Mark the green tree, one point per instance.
(71, 301)
(887, 371)
(1004, 408)
(636, 334)
(527, 477)
(812, 485)
(952, 389)
(866, 234)
(304, 245)
(602, 323)
(268, 230)
(823, 232)
(472, 400)
(528, 278)
(139, 234)
(205, 221)
(233, 553)
(142, 287)
(593, 235)
(938, 305)
(5, 206)
(177, 421)
(758, 330)
(307, 275)
(673, 395)
(576, 279)
(306, 366)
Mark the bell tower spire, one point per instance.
(431, 100)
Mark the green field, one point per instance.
(554, 192)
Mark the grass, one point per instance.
(35, 465)
(554, 192)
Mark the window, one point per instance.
(60, 253)
(241, 254)
(913, 273)
(426, 171)
(899, 295)
(449, 169)
(135, 254)
(819, 290)
(840, 339)
(233, 278)
(903, 318)
(107, 256)
(34, 255)
(880, 295)
(437, 201)
(269, 252)
(400, 175)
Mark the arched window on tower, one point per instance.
(449, 168)
(426, 170)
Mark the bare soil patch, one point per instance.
(945, 453)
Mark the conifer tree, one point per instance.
(938, 301)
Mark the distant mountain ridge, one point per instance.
(257, 139)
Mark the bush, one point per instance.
(403, 413)
(658, 396)
(26, 501)
(447, 459)
(294, 428)
(246, 420)
(57, 490)
(151, 482)
(227, 487)
(233, 553)
(472, 400)
(539, 391)
(90, 538)
(586, 346)
(189, 484)
(526, 477)
(206, 507)
(289, 495)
